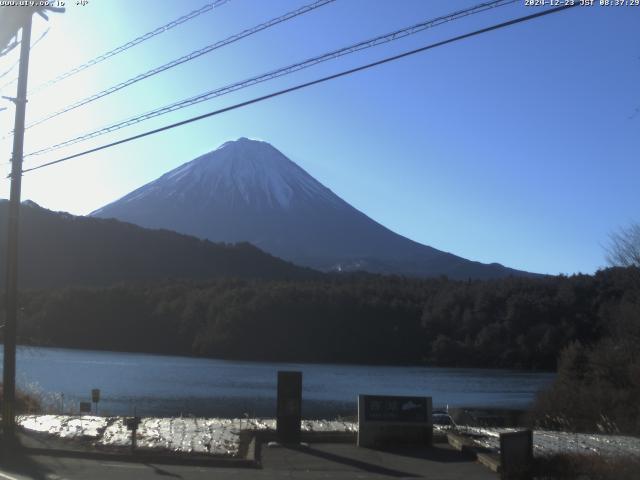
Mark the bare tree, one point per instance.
(624, 247)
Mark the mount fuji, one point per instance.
(248, 191)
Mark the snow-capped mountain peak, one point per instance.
(247, 190)
(246, 170)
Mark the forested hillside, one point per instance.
(515, 322)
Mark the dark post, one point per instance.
(289, 407)
(516, 455)
(132, 425)
(134, 438)
(9, 374)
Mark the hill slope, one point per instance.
(59, 249)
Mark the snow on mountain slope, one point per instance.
(247, 190)
(246, 170)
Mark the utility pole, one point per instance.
(9, 372)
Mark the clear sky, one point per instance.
(519, 146)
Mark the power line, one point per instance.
(15, 64)
(9, 48)
(186, 58)
(307, 84)
(7, 72)
(132, 43)
(277, 73)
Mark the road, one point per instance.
(320, 461)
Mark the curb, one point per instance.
(461, 443)
(253, 454)
(246, 456)
(489, 459)
(148, 457)
(266, 436)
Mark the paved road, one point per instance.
(320, 461)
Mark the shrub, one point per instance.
(597, 388)
(586, 467)
(25, 403)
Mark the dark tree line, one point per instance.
(513, 322)
(598, 383)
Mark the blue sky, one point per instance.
(519, 146)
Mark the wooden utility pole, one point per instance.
(9, 372)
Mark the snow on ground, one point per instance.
(215, 436)
(192, 435)
(63, 426)
(549, 442)
(220, 436)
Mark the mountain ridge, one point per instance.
(59, 249)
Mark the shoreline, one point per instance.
(285, 362)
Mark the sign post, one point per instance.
(95, 398)
(387, 420)
(289, 410)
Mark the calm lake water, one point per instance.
(165, 385)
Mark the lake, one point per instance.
(162, 385)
